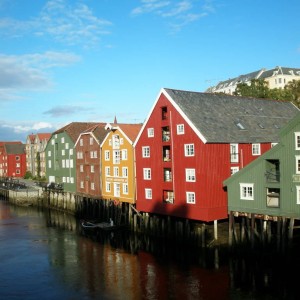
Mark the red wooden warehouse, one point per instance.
(12, 159)
(190, 142)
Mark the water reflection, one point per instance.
(45, 254)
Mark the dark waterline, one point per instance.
(45, 255)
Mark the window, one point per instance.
(297, 164)
(81, 168)
(63, 163)
(67, 146)
(106, 155)
(190, 175)
(116, 141)
(180, 129)
(273, 197)
(233, 170)
(273, 144)
(146, 151)
(92, 186)
(150, 132)
(297, 140)
(71, 151)
(298, 194)
(125, 188)
(189, 150)
(167, 174)
(63, 152)
(124, 154)
(234, 157)
(148, 193)
(190, 198)
(17, 157)
(81, 184)
(107, 187)
(255, 149)
(147, 173)
(92, 168)
(117, 189)
(246, 191)
(116, 171)
(81, 142)
(168, 196)
(91, 141)
(116, 156)
(125, 172)
(107, 171)
(62, 140)
(49, 153)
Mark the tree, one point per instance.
(293, 87)
(258, 88)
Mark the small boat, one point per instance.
(106, 226)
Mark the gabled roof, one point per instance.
(130, 131)
(97, 130)
(220, 118)
(74, 129)
(44, 136)
(15, 148)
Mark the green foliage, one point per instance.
(259, 89)
(28, 175)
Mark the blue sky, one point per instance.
(65, 61)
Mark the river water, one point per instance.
(45, 255)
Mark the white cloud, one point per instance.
(67, 24)
(27, 72)
(178, 13)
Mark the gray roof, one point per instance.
(15, 148)
(222, 118)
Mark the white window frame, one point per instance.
(124, 154)
(92, 169)
(189, 150)
(297, 158)
(180, 129)
(106, 155)
(150, 132)
(125, 188)
(298, 194)
(233, 170)
(107, 187)
(116, 156)
(256, 149)
(125, 172)
(190, 175)
(246, 191)
(146, 151)
(297, 140)
(147, 173)
(148, 193)
(107, 171)
(234, 153)
(190, 197)
(116, 171)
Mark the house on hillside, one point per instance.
(269, 187)
(277, 77)
(191, 142)
(12, 159)
(35, 153)
(117, 162)
(87, 147)
(61, 157)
